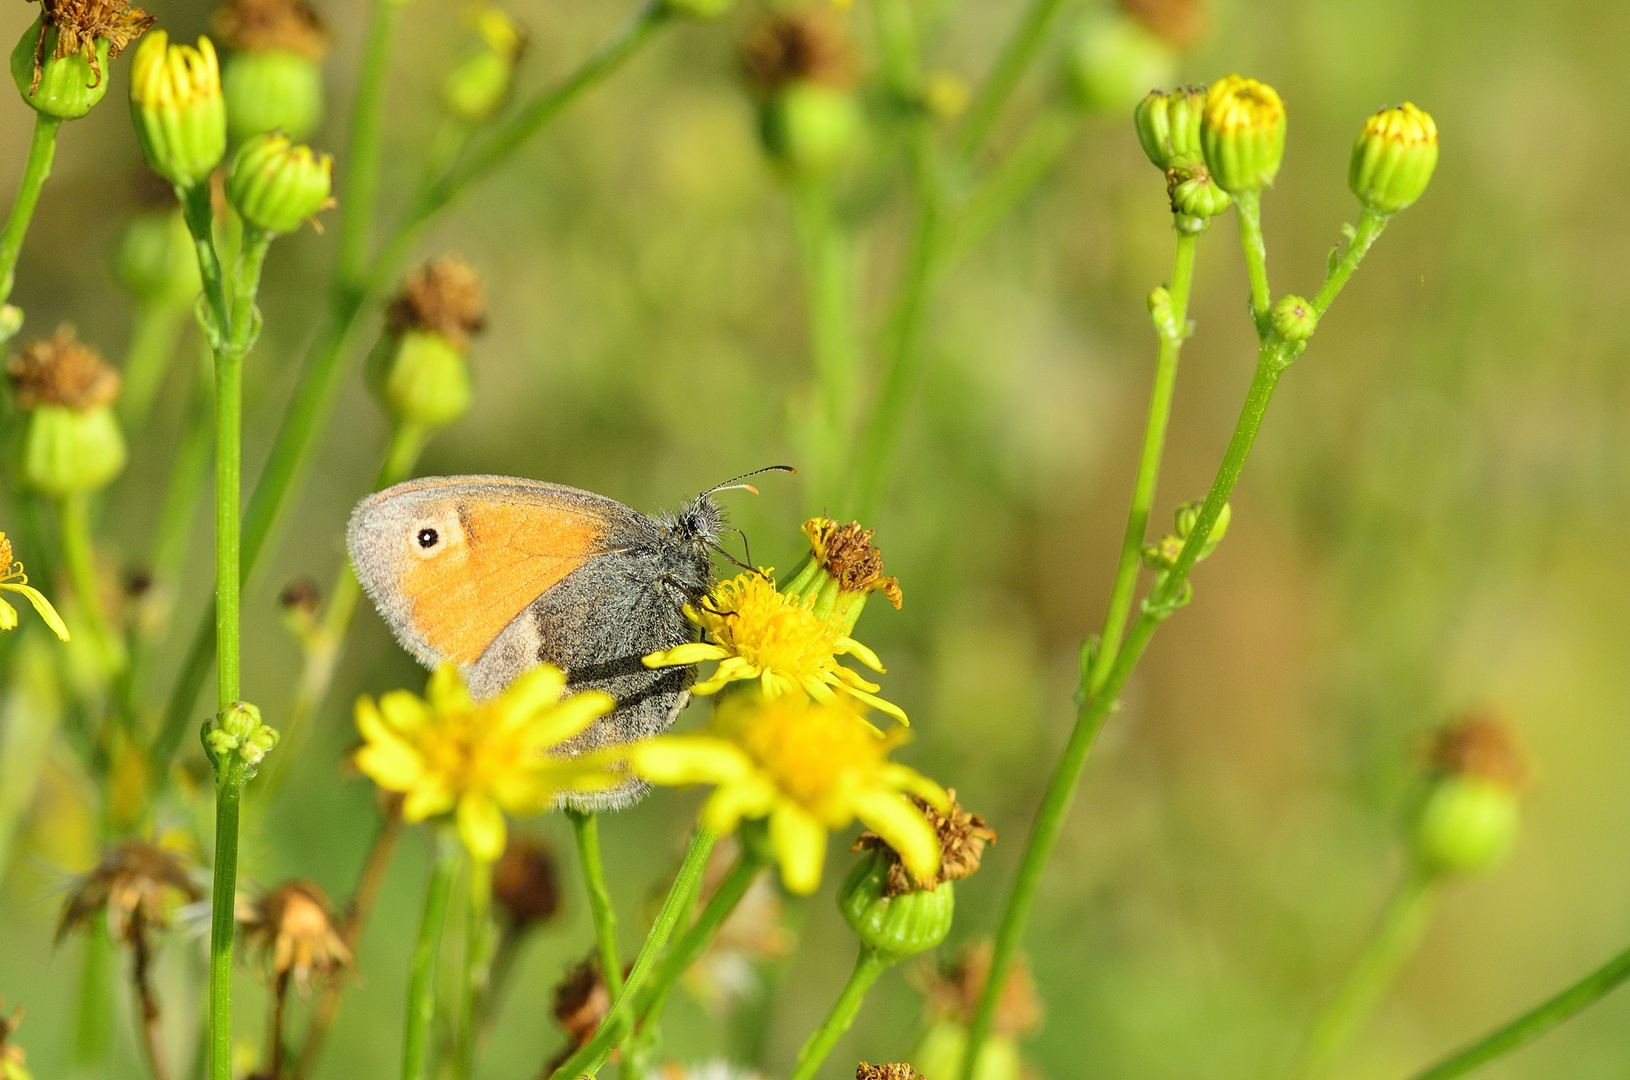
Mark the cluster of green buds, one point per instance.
(420, 369)
(238, 737)
(275, 185)
(70, 442)
(801, 66)
(175, 101)
(273, 81)
(60, 64)
(480, 84)
(1162, 555)
(951, 996)
(1168, 127)
(843, 569)
(1470, 814)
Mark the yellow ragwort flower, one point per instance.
(446, 753)
(759, 633)
(808, 766)
(12, 579)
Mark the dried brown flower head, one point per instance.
(303, 594)
(848, 554)
(265, 25)
(443, 297)
(293, 926)
(952, 993)
(810, 45)
(132, 883)
(962, 836)
(61, 370)
(524, 882)
(581, 1004)
(1480, 745)
(897, 1071)
(1179, 23)
(79, 23)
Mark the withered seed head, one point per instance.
(848, 554)
(953, 992)
(582, 1002)
(265, 25)
(293, 926)
(1180, 23)
(302, 595)
(442, 297)
(1480, 745)
(962, 836)
(809, 45)
(60, 370)
(130, 883)
(524, 882)
(79, 23)
(896, 1071)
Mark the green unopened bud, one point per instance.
(899, 925)
(1161, 312)
(478, 85)
(1194, 194)
(812, 127)
(1294, 318)
(699, 9)
(61, 63)
(176, 103)
(420, 370)
(1168, 126)
(70, 442)
(1113, 61)
(1242, 133)
(1189, 513)
(1393, 158)
(156, 260)
(1471, 814)
(238, 732)
(944, 1047)
(275, 185)
(271, 90)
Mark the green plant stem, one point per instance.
(478, 942)
(868, 967)
(637, 996)
(1248, 205)
(41, 150)
(827, 257)
(421, 997)
(1396, 934)
(1535, 1022)
(198, 209)
(1364, 236)
(223, 915)
(78, 554)
(1154, 441)
(321, 374)
(1015, 175)
(93, 1024)
(1015, 58)
(367, 144)
(586, 831)
(153, 339)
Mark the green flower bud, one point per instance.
(478, 85)
(944, 1047)
(60, 64)
(812, 127)
(180, 116)
(238, 731)
(1393, 158)
(1471, 813)
(900, 925)
(272, 90)
(1168, 126)
(1189, 513)
(1242, 133)
(156, 260)
(1194, 194)
(843, 569)
(1112, 61)
(70, 442)
(1294, 318)
(420, 370)
(699, 9)
(275, 185)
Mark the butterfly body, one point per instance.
(498, 574)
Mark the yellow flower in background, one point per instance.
(809, 767)
(759, 633)
(12, 579)
(446, 753)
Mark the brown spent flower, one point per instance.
(130, 882)
(442, 297)
(303, 595)
(848, 554)
(61, 370)
(962, 836)
(1480, 745)
(265, 25)
(899, 1070)
(953, 993)
(581, 1004)
(294, 928)
(79, 23)
(1179, 23)
(810, 45)
(524, 883)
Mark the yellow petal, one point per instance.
(370, 723)
(880, 705)
(391, 765)
(913, 782)
(859, 652)
(818, 690)
(728, 671)
(751, 797)
(404, 711)
(689, 759)
(903, 827)
(799, 840)
(8, 616)
(530, 694)
(430, 798)
(446, 691)
(569, 717)
(481, 826)
(845, 677)
(41, 605)
(689, 653)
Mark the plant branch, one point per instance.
(421, 997)
(41, 149)
(1015, 58)
(868, 966)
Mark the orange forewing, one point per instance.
(502, 557)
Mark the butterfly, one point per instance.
(498, 574)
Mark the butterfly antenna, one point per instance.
(735, 482)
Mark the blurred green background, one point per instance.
(1433, 520)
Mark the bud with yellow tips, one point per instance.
(275, 185)
(1393, 158)
(1242, 133)
(176, 103)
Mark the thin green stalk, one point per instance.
(829, 303)
(1015, 175)
(1364, 236)
(637, 996)
(868, 967)
(586, 831)
(73, 515)
(1396, 934)
(153, 339)
(477, 964)
(1154, 441)
(93, 1025)
(367, 144)
(1016, 56)
(1535, 1022)
(223, 914)
(421, 998)
(198, 208)
(1249, 207)
(41, 150)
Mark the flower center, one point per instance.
(769, 630)
(814, 752)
